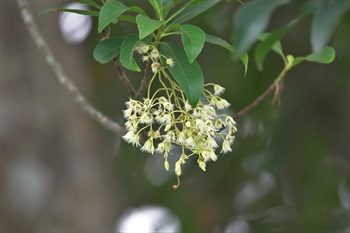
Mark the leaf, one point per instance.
(250, 21)
(188, 76)
(245, 60)
(218, 41)
(81, 12)
(161, 7)
(191, 10)
(127, 18)
(146, 25)
(270, 41)
(326, 56)
(108, 49)
(127, 51)
(325, 20)
(137, 10)
(193, 39)
(90, 3)
(110, 12)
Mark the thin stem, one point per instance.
(258, 100)
(60, 74)
(123, 77)
(176, 186)
(145, 81)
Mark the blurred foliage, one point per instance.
(289, 161)
(290, 168)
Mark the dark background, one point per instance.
(61, 172)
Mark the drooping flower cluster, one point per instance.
(170, 120)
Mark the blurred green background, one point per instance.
(61, 172)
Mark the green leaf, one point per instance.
(325, 20)
(127, 51)
(110, 12)
(127, 18)
(193, 39)
(137, 10)
(250, 21)
(191, 10)
(325, 56)
(81, 12)
(270, 41)
(108, 49)
(188, 76)
(218, 41)
(90, 3)
(161, 7)
(146, 25)
(245, 60)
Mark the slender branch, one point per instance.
(275, 85)
(118, 67)
(145, 80)
(60, 74)
(123, 77)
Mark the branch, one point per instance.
(60, 74)
(277, 85)
(145, 81)
(123, 77)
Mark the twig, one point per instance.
(118, 67)
(60, 74)
(123, 77)
(275, 85)
(145, 80)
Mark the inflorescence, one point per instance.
(169, 120)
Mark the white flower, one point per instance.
(187, 106)
(165, 119)
(132, 138)
(147, 104)
(170, 136)
(144, 58)
(181, 138)
(142, 48)
(148, 146)
(214, 101)
(197, 112)
(199, 124)
(155, 67)
(146, 118)
(218, 123)
(168, 106)
(209, 111)
(190, 142)
(218, 90)
(178, 166)
(211, 142)
(222, 103)
(170, 62)
(127, 113)
(155, 54)
(164, 146)
(201, 164)
(213, 156)
(226, 147)
(131, 125)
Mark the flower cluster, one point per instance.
(169, 120)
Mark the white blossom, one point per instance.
(218, 90)
(132, 138)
